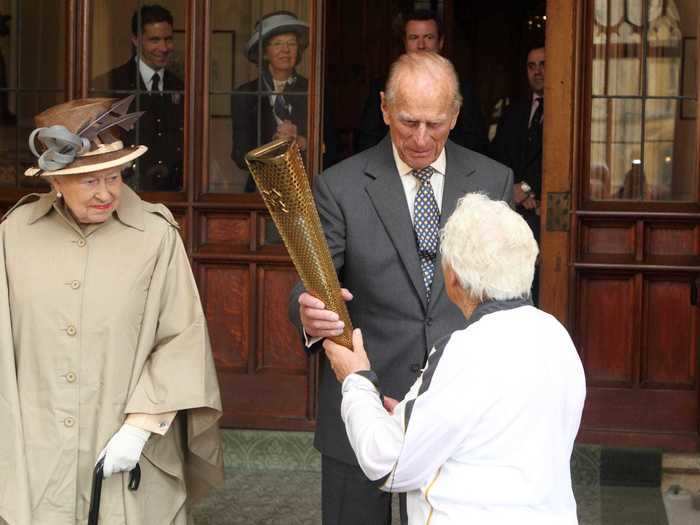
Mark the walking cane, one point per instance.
(96, 493)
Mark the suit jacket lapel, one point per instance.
(455, 186)
(134, 75)
(387, 194)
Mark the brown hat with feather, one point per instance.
(80, 136)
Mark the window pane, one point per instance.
(150, 65)
(670, 153)
(8, 155)
(616, 149)
(224, 174)
(9, 146)
(659, 161)
(257, 93)
(689, 67)
(659, 134)
(600, 172)
(664, 46)
(664, 169)
(42, 44)
(28, 29)
(617, 52)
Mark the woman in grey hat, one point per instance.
(279, 95)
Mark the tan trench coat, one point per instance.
(95, 325)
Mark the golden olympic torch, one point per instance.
(282, 181)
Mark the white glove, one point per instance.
(123, 450)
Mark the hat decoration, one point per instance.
(62, 147)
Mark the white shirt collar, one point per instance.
(147, 73)
(438, 164)
(279, 85)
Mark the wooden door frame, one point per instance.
(565, 21)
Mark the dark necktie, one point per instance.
(426, 222)
(282, 109)
(155, 82)
(534, 132)
(537, 115)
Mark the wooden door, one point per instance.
(621, 242)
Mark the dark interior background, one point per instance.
(486, 41)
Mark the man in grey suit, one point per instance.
(381, 210)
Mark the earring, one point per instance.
(59, 194)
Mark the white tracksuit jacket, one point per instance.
(485, 435)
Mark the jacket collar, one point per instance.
(381, 162)
(42, 206)
(130, 209)
(493, 305)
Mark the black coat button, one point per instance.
(415, 368)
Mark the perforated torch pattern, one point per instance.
(279, 173)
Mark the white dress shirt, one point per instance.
(489, 439)
(147, 73)
(411, 183)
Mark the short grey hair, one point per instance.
(423, 63)
(490, 248)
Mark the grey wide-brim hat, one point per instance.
(276, 23)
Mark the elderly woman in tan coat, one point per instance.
(104, 350)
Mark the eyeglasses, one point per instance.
(288, 44)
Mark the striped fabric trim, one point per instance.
(427, 376)
(427, 493)
(483, 309)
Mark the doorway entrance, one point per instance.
(620, 246)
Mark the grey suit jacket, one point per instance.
(365, 216)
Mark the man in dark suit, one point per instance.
(381, 210)
(421, 30)
(518, 145)
(159, 94)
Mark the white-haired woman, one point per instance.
(485, 434)
(104, 351)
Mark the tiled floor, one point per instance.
(278, 497)
(264, 497)
(274, 478)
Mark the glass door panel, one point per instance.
(643, 104)
(257, 93)
(133, 43)
(32, 78)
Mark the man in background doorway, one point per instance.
(518, 145)
(159, 95)
(421, 30)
